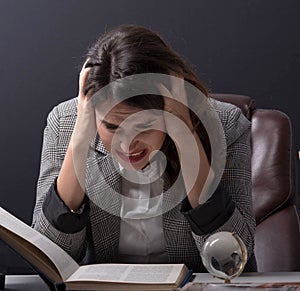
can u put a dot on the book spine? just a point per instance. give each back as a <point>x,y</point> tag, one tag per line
<point>2,281</point>
<point>187,278</point>
<point>60,286</point>
<point>53,286</point>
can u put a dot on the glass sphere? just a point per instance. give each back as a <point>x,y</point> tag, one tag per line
<point>224,255</point>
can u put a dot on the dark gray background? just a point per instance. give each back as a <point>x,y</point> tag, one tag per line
<point>246,47</point>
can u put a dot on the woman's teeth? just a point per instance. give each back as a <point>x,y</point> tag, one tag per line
<point>134,154</point>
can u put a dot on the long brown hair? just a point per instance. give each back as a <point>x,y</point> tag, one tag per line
<point>129,50</point>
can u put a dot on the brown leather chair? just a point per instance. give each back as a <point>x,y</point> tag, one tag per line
<point>277,238</point>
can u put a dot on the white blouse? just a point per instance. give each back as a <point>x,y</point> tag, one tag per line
<point>141,234</point>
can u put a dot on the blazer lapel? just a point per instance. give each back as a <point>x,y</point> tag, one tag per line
<point>104,189</point>
<point>103,178</point>
<point>180,244</point>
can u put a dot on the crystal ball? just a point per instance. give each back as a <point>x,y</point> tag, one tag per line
<point>224,255</point>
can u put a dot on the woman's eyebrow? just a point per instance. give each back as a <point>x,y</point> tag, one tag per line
<point>115,126</point>
<point>108,124</point>
<point>146,122</point>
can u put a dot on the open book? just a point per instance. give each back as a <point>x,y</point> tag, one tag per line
<point>58,268</point>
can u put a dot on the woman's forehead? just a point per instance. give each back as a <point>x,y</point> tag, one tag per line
<point>122,111</point>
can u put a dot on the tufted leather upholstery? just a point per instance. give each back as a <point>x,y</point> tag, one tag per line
<point>277,238</point>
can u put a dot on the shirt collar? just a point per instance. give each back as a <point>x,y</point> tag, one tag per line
<point>153,171</point>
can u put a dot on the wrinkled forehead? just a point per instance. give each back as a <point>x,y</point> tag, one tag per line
<point>117,113</point>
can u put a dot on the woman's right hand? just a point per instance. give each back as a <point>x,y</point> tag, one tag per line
<point>85,127</point>
<point>71,179</point>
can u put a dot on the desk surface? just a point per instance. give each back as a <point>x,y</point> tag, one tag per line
<point>35,283</point>
<point>259,278</point>
<point>25,283</point>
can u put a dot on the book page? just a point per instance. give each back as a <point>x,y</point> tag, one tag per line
<point>128,273</point>
<point>64,263</point>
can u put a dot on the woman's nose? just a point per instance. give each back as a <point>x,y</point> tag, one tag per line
<point>128,144</point>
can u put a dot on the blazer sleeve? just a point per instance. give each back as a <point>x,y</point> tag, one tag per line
<point>55,143</point>
<point>233,194</point>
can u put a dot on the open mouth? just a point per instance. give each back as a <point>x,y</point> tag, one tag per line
<point>133,157</point>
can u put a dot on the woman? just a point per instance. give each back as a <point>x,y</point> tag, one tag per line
<point>134,193</point>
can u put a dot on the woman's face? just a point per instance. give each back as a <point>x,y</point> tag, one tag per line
<point>131,134</point>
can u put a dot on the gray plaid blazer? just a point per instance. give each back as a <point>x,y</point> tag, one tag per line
<point>182,244</point>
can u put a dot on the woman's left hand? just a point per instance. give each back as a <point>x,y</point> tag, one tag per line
<point>176,103</point>
<point>178,123</point>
